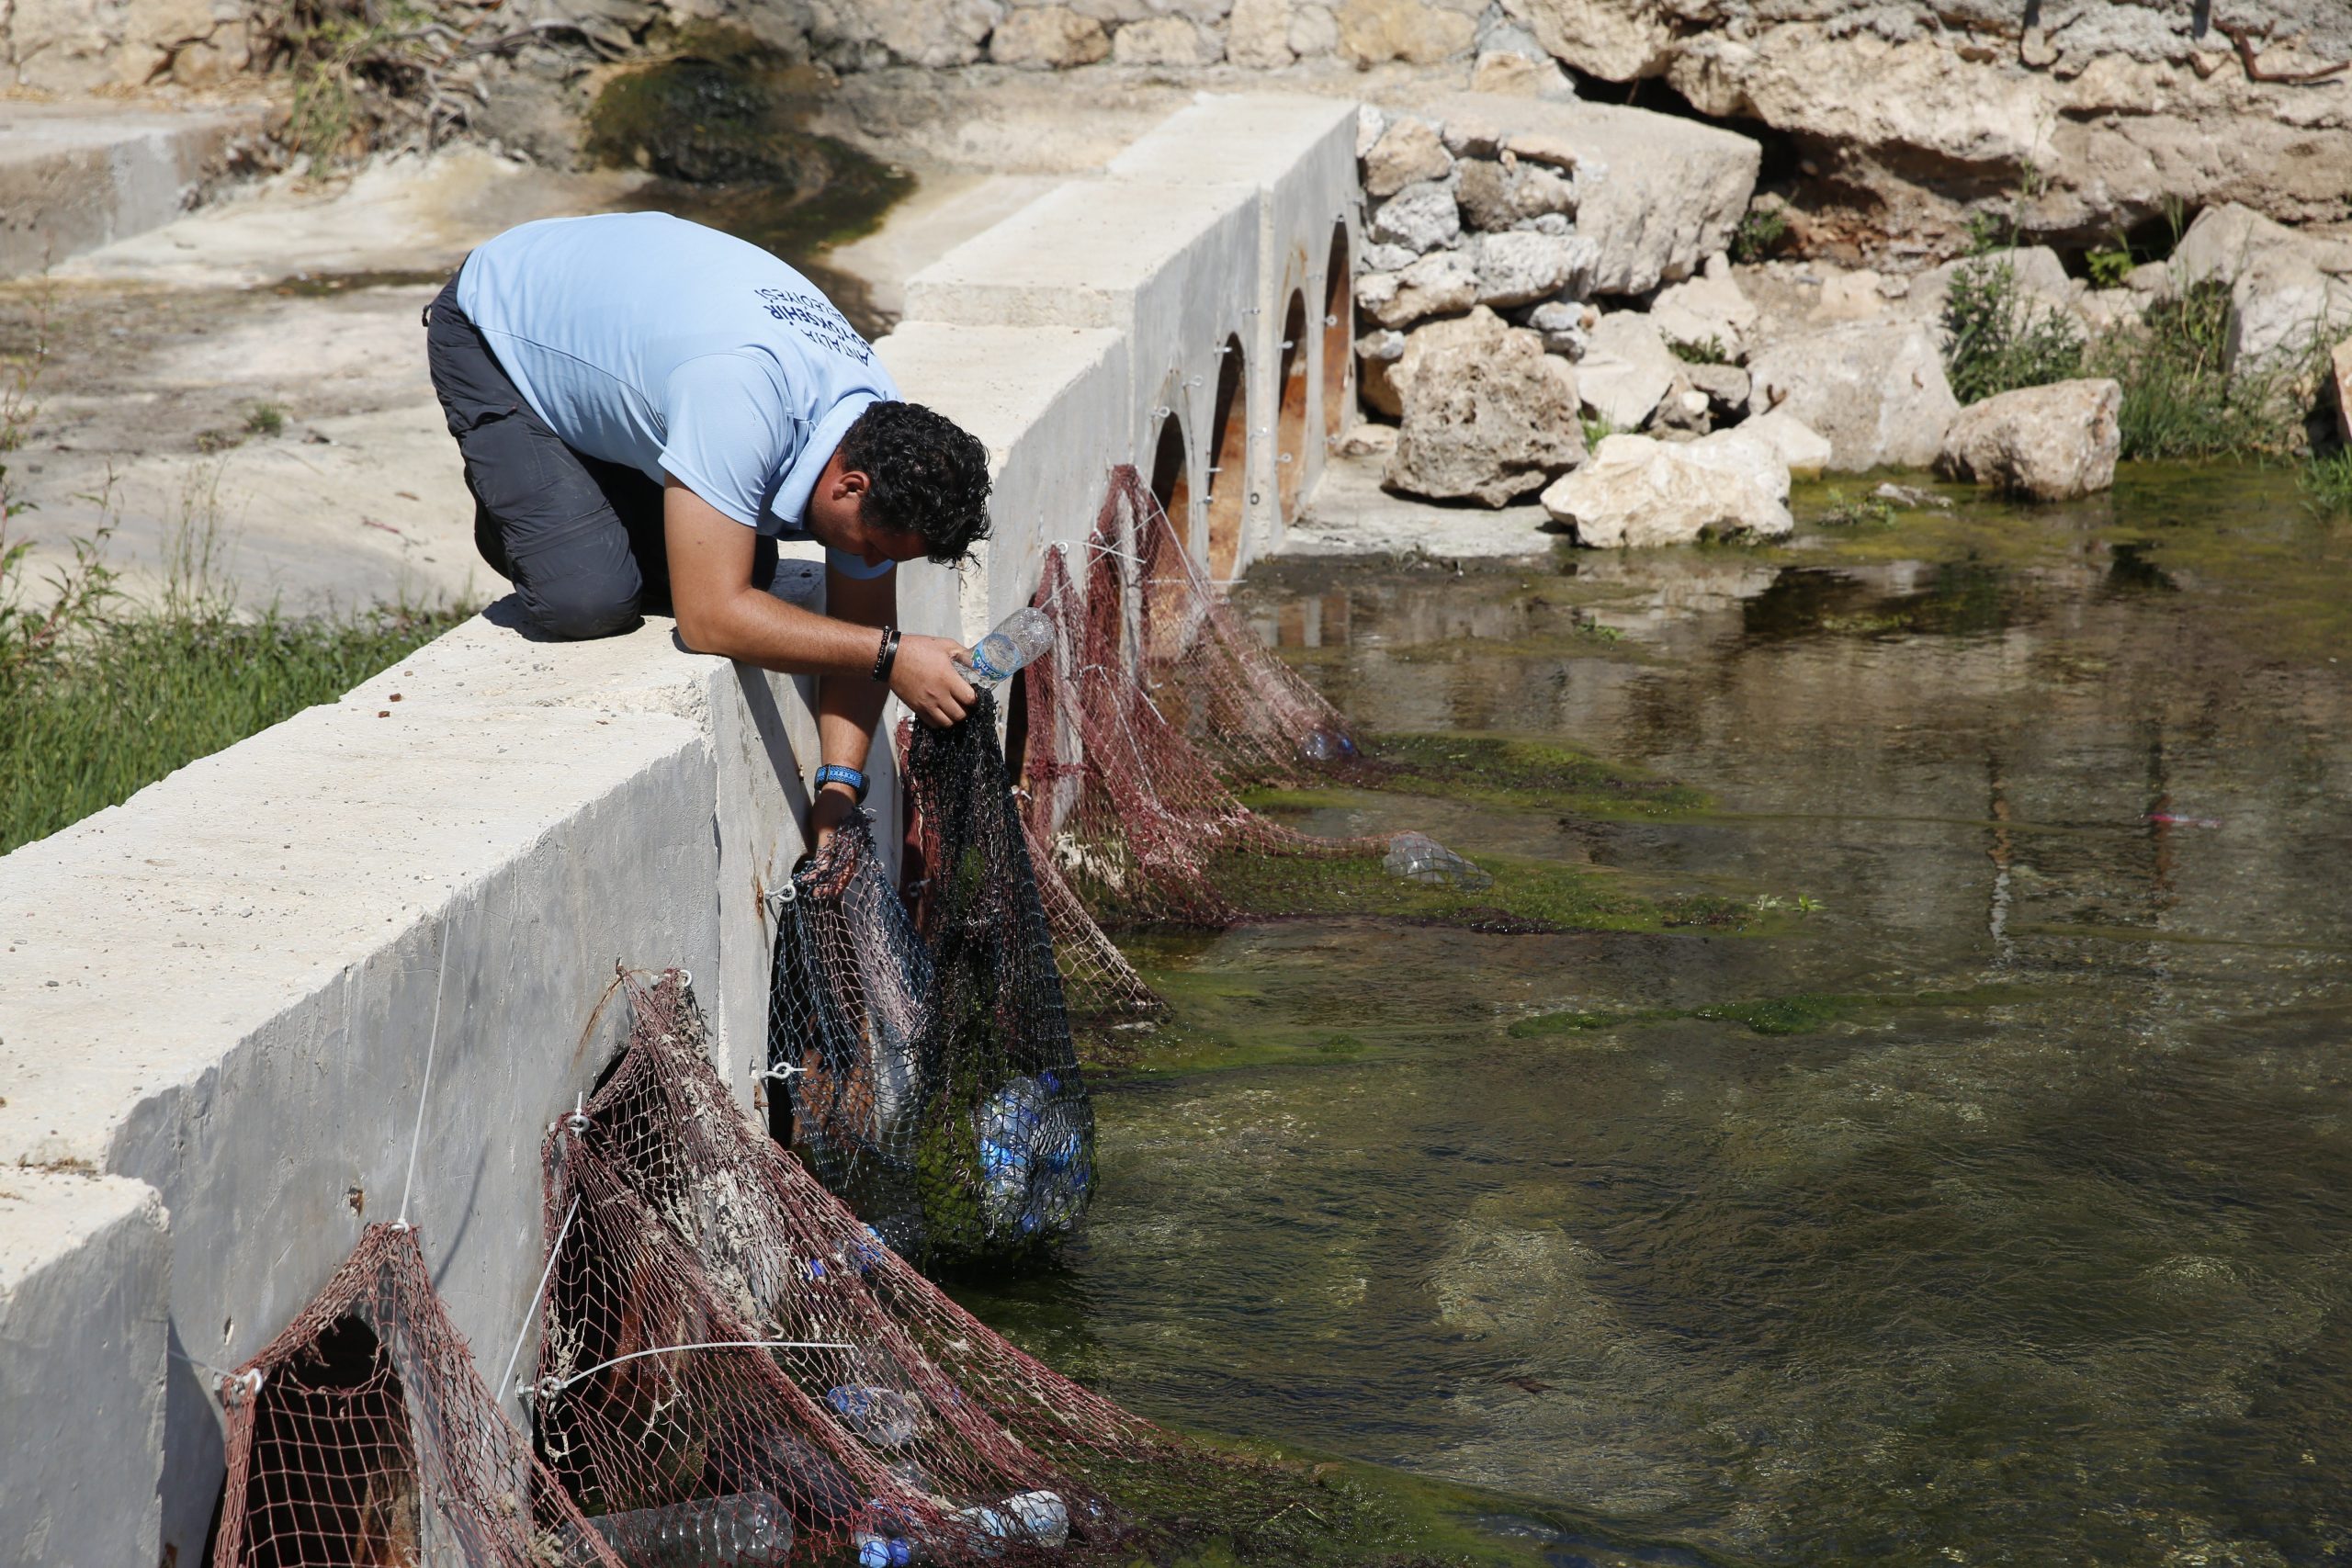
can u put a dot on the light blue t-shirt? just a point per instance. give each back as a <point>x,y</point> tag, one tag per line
<point>646,340</point>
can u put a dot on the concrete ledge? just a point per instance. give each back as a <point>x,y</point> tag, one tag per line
<point>84,1265</point>
<point>75,177</point>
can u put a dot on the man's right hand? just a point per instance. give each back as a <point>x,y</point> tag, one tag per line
<point>927,678</point>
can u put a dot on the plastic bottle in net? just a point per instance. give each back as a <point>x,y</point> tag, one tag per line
<point>363,1435</point>
<point>845,1024</point>
<point>717,1325</point>
<point>1006,1160</point>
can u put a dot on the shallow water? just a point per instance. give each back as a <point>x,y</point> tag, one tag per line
<point>2035,1248</point>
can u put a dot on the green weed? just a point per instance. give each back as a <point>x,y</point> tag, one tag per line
<point>1999,338</point>
<point>2328,483</point>
<point>1864,511</point>
<point>266,418</point>
<point>2182,397</point>
<point>1759,234</point>
<point>2109,269</point>
<point>1708,350</point>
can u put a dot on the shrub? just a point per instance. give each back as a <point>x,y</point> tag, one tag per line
<point>2181,396</point>
<point>1759,234</point>
<point>1998,338</point>
<point>2109,269</point>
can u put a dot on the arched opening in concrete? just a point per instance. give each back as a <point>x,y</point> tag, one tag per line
<point>330,1471</point>
<point>1228,476</point>
<point>1339,334</point>
<point>1171,476</point>
<point>1290,419</point>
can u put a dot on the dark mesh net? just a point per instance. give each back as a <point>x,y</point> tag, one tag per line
<point>719,1325</point>
<point>363,1435</point>
<point>1006,1164</point>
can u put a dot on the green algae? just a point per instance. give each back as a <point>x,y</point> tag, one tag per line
<point>1805,1013</point>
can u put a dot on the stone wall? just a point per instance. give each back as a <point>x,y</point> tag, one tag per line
<point>218,1001</point>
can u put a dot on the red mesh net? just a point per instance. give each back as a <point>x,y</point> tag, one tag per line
<point>718,1325</point>
<point>363,1435</point>
<point>1155,705</point>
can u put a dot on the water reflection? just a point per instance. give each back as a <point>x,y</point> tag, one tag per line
<point>2051,1273</point>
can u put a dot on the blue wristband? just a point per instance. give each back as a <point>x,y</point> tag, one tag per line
<point>833,772</point>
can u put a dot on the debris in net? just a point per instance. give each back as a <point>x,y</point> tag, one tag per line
<point>1006,1163</point>
<point>1417,857</point>
<point>362,1434</point>
<point>716,1324</point>
<point>846,1014</point>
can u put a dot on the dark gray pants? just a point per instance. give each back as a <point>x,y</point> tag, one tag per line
<point>581,538</point>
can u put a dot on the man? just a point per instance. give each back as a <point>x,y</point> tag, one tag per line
<point>645,406</point>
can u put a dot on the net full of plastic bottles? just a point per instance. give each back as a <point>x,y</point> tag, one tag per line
<point>1017,639</point>
<point>882,1417</point>
<point>1417,857</point>
<point>750,1529</point>
<point>1039,1519</point>
<point>1033,1166</point>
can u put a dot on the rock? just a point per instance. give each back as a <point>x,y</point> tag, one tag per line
<point>1166,40</point>
<point>1373,32</point>
<point>1626,369</point>
<point>1551,223</point>
<point>1442,283</point>
<point>1048,38</point>
<point>2105,309</point>
<point>1673,193</point>
<point>1469,136</point>
<point>1371,123</point>
<point>1515,75</point>
<point>934,33</point>
<point>1408,152</point>
<point>1483,195</point>
<point>1876,389</point>
<point>1258,35</point>
<point>1387,258</point>
<point>2051,442</point>
<point>1537,192</point>
<point>1551,147</point>
<point>1376,356</point>
<point>1850,297</point>
<point>1366,441</point>
<point>1566,325</point>
<point>2282,299</point>
<point>1711,308</point>
<point>1488,414</point>
<point>1634,492</point>
<point>1725,386</point>
<point>1518,269</point>
<point>1314,32</point>
<point>1801,451</point>
<point>1420,218</point>
<point>1617,40</point>
<point>1683,412</point>
<point>2340,368</point>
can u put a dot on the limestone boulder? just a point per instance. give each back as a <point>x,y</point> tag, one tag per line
<point>1420,218</point>
<point>2052,442</point>
<point>1875,390</point>
<point>1258,35</point>
<point>1617,40</point>
<point>1418,32</point>
<point>1493,198</point>
<point>1726,386</point>
<point>1510,73</point>
<point>1048,38</point>
<point>1520,268</point>
<point>1376,357</point>
<point>1167,40</point>
<point>1803,451</point>
<point>934,33</point>
<point>1637,492</point>
<point>1626,369</point>
<point>2284,298</point>
<point>1707,309</point>
<point>1665,195</point>
<point>1487,415</point>
<point>1442,283</point>
<point>1408,152</point>
<point>1567,326</point>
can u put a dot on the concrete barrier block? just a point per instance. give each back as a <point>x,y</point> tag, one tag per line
<point>1297,150</point>
<point>85,1279</point>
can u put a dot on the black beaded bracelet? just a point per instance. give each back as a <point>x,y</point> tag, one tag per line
<point>887,654</point>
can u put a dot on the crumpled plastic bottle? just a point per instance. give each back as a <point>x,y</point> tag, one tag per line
<point>1417,857</point>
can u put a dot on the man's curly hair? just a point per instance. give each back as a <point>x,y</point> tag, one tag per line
<point>925,475</point>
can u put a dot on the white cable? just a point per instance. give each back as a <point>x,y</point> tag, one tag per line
<point>531,1311</point>
<point>549,1387</point>
<point>425,1091</point>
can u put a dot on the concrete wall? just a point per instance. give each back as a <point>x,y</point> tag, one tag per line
<point>218,1001</point>
<point>77,175</point>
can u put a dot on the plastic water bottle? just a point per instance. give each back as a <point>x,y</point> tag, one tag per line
<point>1043,1515</point>
<point>882,1416</point>
<point>1018,638</point>
<point>1417,857</point>
<point>1327,746</point>
<point>1007,1124</point>
<point>882,1550</point>
<point>751,1529</point>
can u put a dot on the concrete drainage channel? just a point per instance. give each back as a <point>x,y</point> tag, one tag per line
<point>214,998</point>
